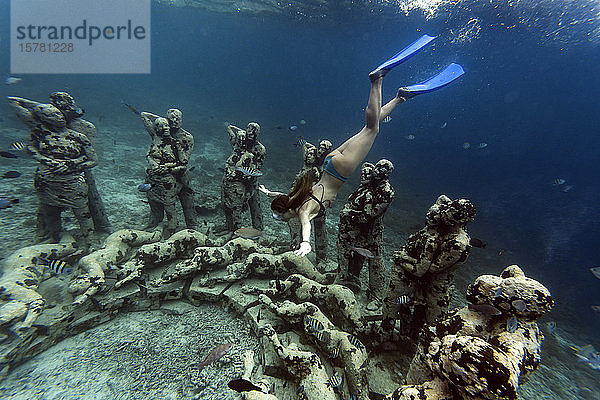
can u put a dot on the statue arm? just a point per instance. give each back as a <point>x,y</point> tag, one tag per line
<point>22,108</point>
<point>148,120</point>
<point>233,132</point>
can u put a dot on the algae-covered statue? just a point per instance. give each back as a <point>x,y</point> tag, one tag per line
<point>360,232</point>
<point>168,158</point>
<point>64,156</point>
<point>239,189</point>
<point>421,277</point>
<point>72,115</point>
<point>484,350</point>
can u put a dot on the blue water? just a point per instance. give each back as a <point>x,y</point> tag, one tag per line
<point>530,94</point>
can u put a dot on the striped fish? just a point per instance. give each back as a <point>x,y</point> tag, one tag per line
<point>20,145</point>
<point>81,179</point>
<point>334,353</point>
<point>387,119</point>
<point>314,324</point>
<point>402,300</point>
<point>335,381</point>
<point>249,171</point>
<point>300,142</point>
<point>58,267</point>
<point>355,342</point>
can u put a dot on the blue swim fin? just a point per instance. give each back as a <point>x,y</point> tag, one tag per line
<point>402,56</point>
<point>447,76</point>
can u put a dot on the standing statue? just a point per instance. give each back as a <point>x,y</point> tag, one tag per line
<point>360,233</point>
<point>74,121</point>
<point>64,155</point>
<point>422,274</point>
<point>168,158</point>
<point>239,190</point>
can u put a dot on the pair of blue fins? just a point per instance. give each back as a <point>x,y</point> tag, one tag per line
<point>447,76</point>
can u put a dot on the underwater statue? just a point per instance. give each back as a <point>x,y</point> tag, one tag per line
<point>239,189</point>
<point>168,158</point>
<point>360,231</point>
<point>73,116</point>
<point>64,156</point>
<point>422,273</point>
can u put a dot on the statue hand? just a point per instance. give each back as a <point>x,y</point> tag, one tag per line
<point>303,250</point>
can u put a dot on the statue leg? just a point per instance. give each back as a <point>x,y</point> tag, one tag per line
<point>377,275</point>
<point>171,226</point>
<point>186,198</point>
<point>321,238</point>
<point>86,224</point>
<point>95,204</point>
<point>157,212</point>
<point>233,202</point>
<point>256,211</point>
<point>48,223</point>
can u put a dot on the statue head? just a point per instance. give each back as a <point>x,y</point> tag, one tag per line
<point>383,169</point>
<point>252,132</point>
<point>446,212</point>
<point>50,116</point>
<point>366,172</point>
<point>161,127</point>
<point>324,148</point>
<point>175,118</point>
<point>310,154</point>
<point>66,104</point>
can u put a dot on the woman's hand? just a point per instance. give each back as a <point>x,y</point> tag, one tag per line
<point>263,189</point>
<point>303,250</point>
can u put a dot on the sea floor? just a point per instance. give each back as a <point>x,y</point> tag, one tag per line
<point>152,354</point>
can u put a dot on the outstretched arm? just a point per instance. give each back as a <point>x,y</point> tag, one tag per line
<point>23,109</point>
<point>266,191</point>
<point>305,247</point>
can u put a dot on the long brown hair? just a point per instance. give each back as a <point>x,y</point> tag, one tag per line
<point>296,197</point>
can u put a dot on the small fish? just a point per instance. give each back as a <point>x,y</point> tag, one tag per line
<point>387,119</point>
<point>11,174</point>
<point>11,80</point>
<point>482,145</point>
<point>293,128</point>
<point>362,251</point>
<point>215,354</point>
<point>81,179</point>
<point>477,243</point>
<point>354,341</point>
<point>249,171</point>
<point>144,187</point>
<point>243,385</point>
<point>558,182</point>
<point>314,323</point>
<point>249,233</point>
<point>409,137</point>
<point>279,127</point>
<point>6,203</point>
<point>445,124</point>
<point>20,145</point>
<point>501,251</point>
<point>595,271</point>
<point>191,169</point>
<point>567,188</point>
<point>512,324</point>
<point>485,309</point>
<point>402,300</point>
<point>466,145</point>
<point>132,108</point>
<point>551,325</point>
<point>58,267</point>
<point>302,122</point>
<point>596,309</point>
<point>519,305</point>
<point>300,142</point>
<point>335,381</point>
<point>6,154</point>
<point>334,353</point>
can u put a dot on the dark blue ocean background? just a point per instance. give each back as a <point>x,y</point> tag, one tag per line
<point>531,96</point>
